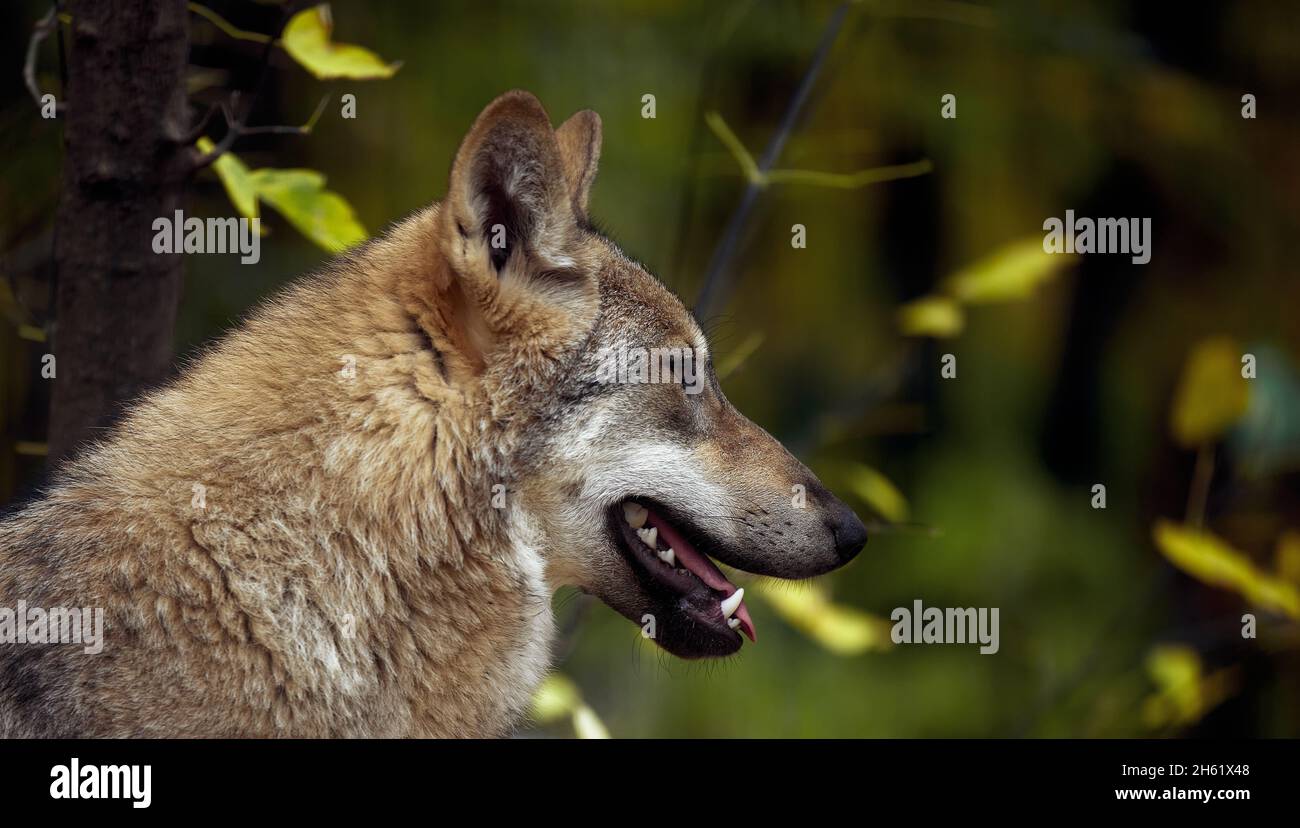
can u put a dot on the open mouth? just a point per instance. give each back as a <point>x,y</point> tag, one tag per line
<point>678,574</point>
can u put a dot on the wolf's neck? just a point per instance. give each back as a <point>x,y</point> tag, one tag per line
<point>334,395</point>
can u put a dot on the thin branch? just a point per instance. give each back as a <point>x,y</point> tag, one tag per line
<point>715,276</point>
<point>202,126</point>
<point>304,129</point>
<point>239,34</point>
<point>233,128</point>
<point>225,25</point>
<point>236,129</point>
<point>736,147</point>
<point>951,11</point>
<point>44,27</point>
<point>236,125</point>
<point>846,181</point>
<point>709,76</point>
<point>853,180</point>
<point>1199,492</point>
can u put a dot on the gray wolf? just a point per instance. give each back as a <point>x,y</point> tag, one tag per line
<point>348,517</point>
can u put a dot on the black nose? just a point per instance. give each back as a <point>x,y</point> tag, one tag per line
<point>849,533</point>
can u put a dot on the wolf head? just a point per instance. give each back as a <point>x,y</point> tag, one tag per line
<point>631,472</point>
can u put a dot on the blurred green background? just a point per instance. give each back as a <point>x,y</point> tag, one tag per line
<point>1107,108</point>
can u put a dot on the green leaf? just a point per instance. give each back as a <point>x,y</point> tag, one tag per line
<point>306,38</point>
<point>321,215</point>
<point>877,492</point>
<point>841,629</point>
<point>1212,394</point>
<point>937,316</point>
<point>1011,272</point>
<point>236,178</point>
<point>1212,561</point>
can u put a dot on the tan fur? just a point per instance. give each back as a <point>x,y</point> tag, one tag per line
<point>345,573</point>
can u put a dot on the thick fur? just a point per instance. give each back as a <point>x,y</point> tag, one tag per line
<point>348,517</point>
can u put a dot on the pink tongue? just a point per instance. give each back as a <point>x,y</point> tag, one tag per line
<point>703,568</point>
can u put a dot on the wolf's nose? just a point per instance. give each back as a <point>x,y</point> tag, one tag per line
<point>849,533</point>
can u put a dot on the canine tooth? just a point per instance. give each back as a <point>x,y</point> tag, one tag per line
<point>668,556</point>
<point>733,622</point>
<point>648,536</point>
<point>732,601</point>
<point>635,514</point>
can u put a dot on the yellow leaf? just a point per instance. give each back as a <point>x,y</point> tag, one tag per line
<point>558,697</point>
<point>307,39</point>
<point>1210,560</point>
<point>1176,672</point>
<point>587,725</point>
<point>936,316</point>
<point>842,630</point>
<point>236,178</point>
<point>1211,395</point>
<point>877,492</point>
<point>1183,694</point>
<point>555,698</point>
<point>321,215</point>
<point>1011,272</point>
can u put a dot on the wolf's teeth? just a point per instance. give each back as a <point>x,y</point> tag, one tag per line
<point>648,536</point>
<point>635,514</point>
<point>668,556</point>
<point>732,601</point>
<point>733,622</point>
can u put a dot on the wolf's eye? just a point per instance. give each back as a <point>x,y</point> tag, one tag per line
<point>673,365</point>
<point>684,370</point>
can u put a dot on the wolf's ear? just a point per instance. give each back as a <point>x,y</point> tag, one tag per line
<point>509,194</point>
<point>521,273</point>
<point>579,139</point>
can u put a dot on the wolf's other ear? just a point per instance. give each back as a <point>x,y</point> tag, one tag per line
<point>509,192</point>
<point>579,139</point>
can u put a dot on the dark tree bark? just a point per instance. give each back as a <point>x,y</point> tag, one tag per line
<point>126,164</point>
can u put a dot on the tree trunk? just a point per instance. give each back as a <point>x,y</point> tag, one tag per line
<point>125,165</point>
